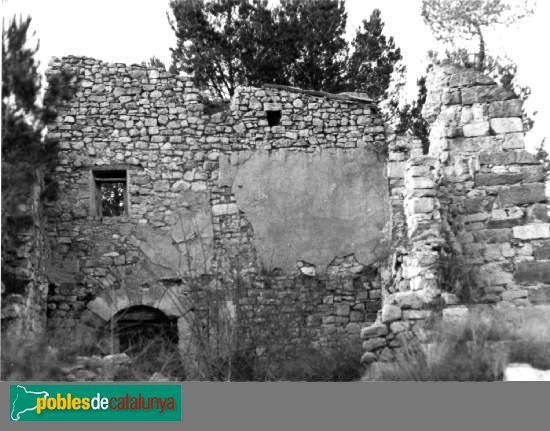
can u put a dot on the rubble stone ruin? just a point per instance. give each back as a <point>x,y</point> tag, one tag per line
<point>287,208</point>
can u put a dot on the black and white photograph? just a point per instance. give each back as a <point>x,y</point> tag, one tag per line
<point>275,191</point>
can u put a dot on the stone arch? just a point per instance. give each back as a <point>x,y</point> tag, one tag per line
<point>165,299</point>
<point>137,325</point>
<point>107,305</point>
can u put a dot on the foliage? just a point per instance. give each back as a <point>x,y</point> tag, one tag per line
<point>373,59</point>
<point>467,19</point>
<point>411,119</point>
<point>542,155</point>
<point>318,41</point>
<point>474,350</point>
<point>27,155</point>
<point>156,63</point>
<point>217,41</point>
<point>226,43</point>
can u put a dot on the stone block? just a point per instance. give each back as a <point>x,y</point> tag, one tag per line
<point>396,169</point>
<point>492,235</point>
<point>522,194</point>
<point>533,272</point>
<point>390,313</point>
<point>539,295</point>
<point>542,251</point>
<point>421,205</point>
<point>417,314</point>
<point>506,125</point>
<point>479,128</point>
<point>420,183</point>
<point>373,344</point>
<point>490,179</point>
<point>408,300</point>
<point>342,309</point>
<point>224,209</point>
<point>475,144</point>
<point>513,141</point>
<point>399,326</point>
<point>374,331</point>
<point>493,274</point>
<point>505,108</point>
<point>368,358</point>
<point>506,158</point>
<point>532,231</point>
<point>466,78</point>
<point>485,93</point>
<point>510,295</point>
<point>101,308</point>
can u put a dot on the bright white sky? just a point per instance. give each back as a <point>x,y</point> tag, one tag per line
<point>131,31</point>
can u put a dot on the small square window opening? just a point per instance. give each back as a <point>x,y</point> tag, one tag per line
<point>273,118</point>
<point>110,193</point>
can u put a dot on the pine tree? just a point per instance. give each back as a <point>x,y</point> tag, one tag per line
<point>373,59</point>
<point>451,20</point>
<point>318,30</point>
<point>219,42</point>
<point>28,157</point>
<point>226,43</point>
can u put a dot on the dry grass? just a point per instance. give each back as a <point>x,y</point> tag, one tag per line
<point>476,350</point>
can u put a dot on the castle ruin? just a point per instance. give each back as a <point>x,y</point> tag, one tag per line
<point>286,205</point>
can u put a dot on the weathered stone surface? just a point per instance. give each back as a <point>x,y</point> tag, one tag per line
<point>390,313</point>
<point>373,344</point>
<point>486,93</point>
<point>479,128</point>
<point>493,235</point>
<point>542,251</point>
<point>508,158</point>
<point>368,358</point>
<point>492,274</point>
<point>511,294</point>
<point>408,300</point>
<point>533,272</point>
<point>507,108</point>
<point>532,231</point>
<point>374,331</point>
<point>483,179</point>
<point>506,125</point>
<point>539,295</point>
<point>474,144</point>
<point>523,194</point>
<point>513,141</point>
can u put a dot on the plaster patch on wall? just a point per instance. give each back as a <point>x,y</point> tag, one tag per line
<point>311,206</point>
<point>186,249</point>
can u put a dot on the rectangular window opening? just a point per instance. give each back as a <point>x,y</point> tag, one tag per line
<point>273,118</point>
<point>111,190</point>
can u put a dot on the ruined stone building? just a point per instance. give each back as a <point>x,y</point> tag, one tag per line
<point>287,205</point>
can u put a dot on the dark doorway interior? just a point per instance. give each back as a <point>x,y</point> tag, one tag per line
<point>139,327</point>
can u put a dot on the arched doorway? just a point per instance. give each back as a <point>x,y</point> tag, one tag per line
<point>139,326</point>
<point>149,337</point>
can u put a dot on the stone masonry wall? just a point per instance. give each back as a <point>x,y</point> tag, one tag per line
<point>190,194</point>
<point>24,284</point>
<point>473,228</point>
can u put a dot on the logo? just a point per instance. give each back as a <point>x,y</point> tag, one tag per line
<point>95,402</point>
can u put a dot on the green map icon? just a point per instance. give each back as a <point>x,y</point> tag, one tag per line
<point>24,401</point>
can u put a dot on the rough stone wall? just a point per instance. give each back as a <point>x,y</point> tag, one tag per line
<point>470,220</point>
<point>24,283</point>
<point>195,212</point>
